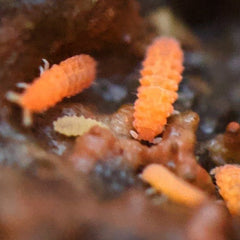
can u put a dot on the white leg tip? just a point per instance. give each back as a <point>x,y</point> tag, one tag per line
<point>27,118</point>
<point>22,85</point>
<point>175,112</point>
<point>46,64</point>
<point>157,140</point>
<point>41,70</point>
<point>12,96</point>
<point>133,134</point>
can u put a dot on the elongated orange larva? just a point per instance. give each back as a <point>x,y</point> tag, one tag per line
<point>159,81</point>
<point>175,188</point>
<point>68,78</point>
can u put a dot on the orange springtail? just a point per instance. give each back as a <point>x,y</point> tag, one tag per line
<point>68,78</point>
<point>228,182</point>
<point>160,77</point>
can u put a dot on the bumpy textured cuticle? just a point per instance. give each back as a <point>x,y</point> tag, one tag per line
<point>64,80</point>
<point>159,81</point>
<point>228,182</point>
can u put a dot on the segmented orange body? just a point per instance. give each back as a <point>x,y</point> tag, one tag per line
<point>228,182</point>
<point>64,80</point>
<point>160,77</point>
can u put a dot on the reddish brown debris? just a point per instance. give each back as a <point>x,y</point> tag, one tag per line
<point>101,144</point>
<point>225,147</point>
<point>31,208</point>
<point>175,151</point>
<point>211,221</point>
<point>97,144</point>
<point>233,127</point>
<point>232,138</point>
<point>177,146</point>
<point>120,122</point>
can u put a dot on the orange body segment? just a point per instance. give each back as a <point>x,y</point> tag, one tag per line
<point>228,182</point>
<point>64,80</point>
<point>161,75</point>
